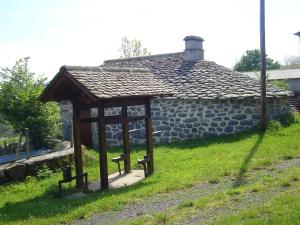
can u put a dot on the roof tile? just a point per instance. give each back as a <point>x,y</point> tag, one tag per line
<point>198,79</point>
<point>116,82</point>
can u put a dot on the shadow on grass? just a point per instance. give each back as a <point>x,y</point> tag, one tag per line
<point>240,179</point>
<point>209,140</point>
<point>47,207</point>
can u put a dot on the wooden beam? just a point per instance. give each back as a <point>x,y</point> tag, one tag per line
<point>102,148</point>
<point>113,119</point>
<point>115,102</point>
<point>149,140</point>
<point>89,120</point>
<point>77,147</point>
<point>126,147</point>
<point>89,106</point>
<point>47,94</point>
<point>123,101</point>
<point>81,87</point>
<point>120,119</point>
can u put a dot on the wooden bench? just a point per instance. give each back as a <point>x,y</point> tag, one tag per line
<point>85,189</point>
<point>145,163</point>
<point>117,160</point>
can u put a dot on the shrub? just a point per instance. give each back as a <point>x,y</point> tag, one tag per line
<point>87,156</point>
<point>20,106</point>
<point>289,119</point>
<point>44,172</point>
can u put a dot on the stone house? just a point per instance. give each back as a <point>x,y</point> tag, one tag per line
<point>208,98</point>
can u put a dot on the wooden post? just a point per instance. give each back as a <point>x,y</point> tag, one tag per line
<point>263,117</point>
<point>28,155</point>
<point>77,147</point>
<point>5,148</point>
<point>126,148</point>
<point>149,140</point>
<point>71,134</point>
<point>102,148</point>
<point>19,146</point>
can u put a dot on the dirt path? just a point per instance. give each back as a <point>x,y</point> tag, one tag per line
<point>168,201</point>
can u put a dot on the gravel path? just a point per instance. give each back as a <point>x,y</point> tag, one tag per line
<point>168,201</point>
<point>207,216</point>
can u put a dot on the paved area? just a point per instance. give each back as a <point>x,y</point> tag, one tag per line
<point>117,181</point>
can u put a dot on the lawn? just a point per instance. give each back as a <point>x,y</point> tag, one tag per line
<point>178,165</point>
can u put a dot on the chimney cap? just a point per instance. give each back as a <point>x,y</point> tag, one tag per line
<point>193,37</point>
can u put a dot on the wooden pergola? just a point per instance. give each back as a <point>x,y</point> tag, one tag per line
<point>87,88</point>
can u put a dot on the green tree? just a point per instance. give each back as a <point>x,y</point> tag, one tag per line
<point>280,83</point>
<point>132,48</point>
<point>291,62</point>
<point>251,62</point>
<point>20,106</point>
<point>5,128</point>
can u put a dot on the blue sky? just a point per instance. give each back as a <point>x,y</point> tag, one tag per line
<point>86,32</point>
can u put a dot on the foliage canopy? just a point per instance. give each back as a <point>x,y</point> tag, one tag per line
<point>251,62</point>
<point>21,107</point>
<point>132,48</point>
<point>292,62</point>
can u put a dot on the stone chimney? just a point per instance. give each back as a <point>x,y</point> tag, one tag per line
<point>193,48</point>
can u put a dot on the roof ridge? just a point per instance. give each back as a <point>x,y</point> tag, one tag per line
<point>123,69</point>
<point>103,69</point>
<point>79,68</point>
<point>142,57</point>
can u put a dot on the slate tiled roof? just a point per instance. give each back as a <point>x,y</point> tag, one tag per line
<point>283,74</point>
<point>115,82</point>
<point>199,79</point>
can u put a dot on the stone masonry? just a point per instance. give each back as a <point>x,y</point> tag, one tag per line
<point>180,119</point>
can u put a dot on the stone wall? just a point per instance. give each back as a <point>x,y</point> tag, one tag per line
<point>27,167</point>
<point>186,119</point>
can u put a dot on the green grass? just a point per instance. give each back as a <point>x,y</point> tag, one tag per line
<point>280,210</point>
<point>177,165</point>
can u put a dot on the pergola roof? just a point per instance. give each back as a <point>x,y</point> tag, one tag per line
<point>101,87</point>
<point>106,83</point>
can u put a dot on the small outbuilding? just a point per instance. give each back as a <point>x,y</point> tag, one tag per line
<point>102,88</point>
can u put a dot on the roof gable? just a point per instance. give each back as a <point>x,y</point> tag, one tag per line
<point>105,83</point>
